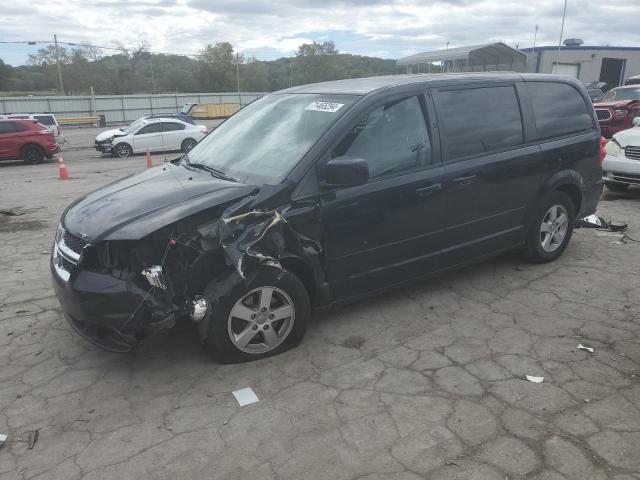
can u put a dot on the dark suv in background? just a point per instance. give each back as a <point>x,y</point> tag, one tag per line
<point>326,193</point>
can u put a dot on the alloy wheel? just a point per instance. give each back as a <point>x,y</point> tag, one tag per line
<point>554,227</point>
<point>261,320</point>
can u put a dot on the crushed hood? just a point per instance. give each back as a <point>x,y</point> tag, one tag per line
<point>101,137</point>
<point>629,137</point>
<point>138,205</point>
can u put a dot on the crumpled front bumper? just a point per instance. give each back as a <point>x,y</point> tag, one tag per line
<point>100,307</point>
<point>104,147</point>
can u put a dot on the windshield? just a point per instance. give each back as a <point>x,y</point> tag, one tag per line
<point>622,94</point>
<point>133,127</point>
<point>266,139</point>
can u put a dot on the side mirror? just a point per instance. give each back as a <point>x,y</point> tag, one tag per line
<point>346,172</point>
<point>636,122</point>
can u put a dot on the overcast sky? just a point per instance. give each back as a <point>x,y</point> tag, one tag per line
<point>271,29</point>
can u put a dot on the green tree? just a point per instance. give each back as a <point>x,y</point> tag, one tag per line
<point>317,62</point>
<point>216,70</point>
<point>6,75</point>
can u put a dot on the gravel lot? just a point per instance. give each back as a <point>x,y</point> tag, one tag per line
<point>423,383</point>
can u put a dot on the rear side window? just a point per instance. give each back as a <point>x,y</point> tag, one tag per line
<point>480,120</point>
<point>172,126</point>
<point>7,127</point>
<point>559,109</point>
<point>153,128</point>
<point>45,120</point>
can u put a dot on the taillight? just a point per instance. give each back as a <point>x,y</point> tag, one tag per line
<point>603,153</point>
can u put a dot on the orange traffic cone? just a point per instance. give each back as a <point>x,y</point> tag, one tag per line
<point>149,160</point>
<point>64,174</point>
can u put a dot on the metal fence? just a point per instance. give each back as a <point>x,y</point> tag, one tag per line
<point>118,108</point>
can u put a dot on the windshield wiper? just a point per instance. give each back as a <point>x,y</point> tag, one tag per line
<point>213,171</point>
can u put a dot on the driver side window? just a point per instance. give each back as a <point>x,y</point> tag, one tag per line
<point>391,138</point>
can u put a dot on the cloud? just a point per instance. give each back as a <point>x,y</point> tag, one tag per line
<point>389,28</point>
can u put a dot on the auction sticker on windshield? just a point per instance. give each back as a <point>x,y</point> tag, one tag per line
<point>324,107</point>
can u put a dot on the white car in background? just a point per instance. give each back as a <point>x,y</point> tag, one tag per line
<point>156,134</point>
<point>621,166</point>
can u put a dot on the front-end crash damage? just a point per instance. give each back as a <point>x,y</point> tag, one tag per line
<point>183,270</point>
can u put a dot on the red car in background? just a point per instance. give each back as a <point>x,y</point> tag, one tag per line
<point>27,140</point>
<point>617,108</point>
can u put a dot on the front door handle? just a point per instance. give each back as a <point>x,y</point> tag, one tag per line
<point>467,180</point>
<point>430,190</point>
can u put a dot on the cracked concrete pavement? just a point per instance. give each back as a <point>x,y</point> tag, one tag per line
<point>427,382</point>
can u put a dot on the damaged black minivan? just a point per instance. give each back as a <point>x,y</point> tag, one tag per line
<point>325,193</point>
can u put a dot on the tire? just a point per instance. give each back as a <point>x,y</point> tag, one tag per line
<point>245,300</point>
<point>616,186</point>
<point>122,150</point>
<point>187,145</point>
<point>32,154</point>
<point>556,233</point>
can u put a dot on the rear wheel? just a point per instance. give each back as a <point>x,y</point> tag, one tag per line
<point>122,150</point>
<point>616,186</point>
<point>256,320</point>
<point>32,154</point>
<point>551,228</point>
<point>188,144</point>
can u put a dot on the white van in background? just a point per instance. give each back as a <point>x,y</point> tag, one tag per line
<point>47,119</point>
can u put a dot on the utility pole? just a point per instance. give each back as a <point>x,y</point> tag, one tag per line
<point>153,77</point>
<point>533,50</point>
<point>55,41</point>
<point>564,14</point>
<point>238,77</point>
<point>291,72</point>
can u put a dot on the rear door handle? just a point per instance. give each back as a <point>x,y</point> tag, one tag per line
<point>429,190</point>
<point>468,180</point>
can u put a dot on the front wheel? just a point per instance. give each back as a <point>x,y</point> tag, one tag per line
<point>550,229</point>
<point>188,144</point>
<point>256,320</point>
<point>616,186</point>
<point>122,150</point>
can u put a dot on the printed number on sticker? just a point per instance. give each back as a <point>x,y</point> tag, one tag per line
<point>324,107</point>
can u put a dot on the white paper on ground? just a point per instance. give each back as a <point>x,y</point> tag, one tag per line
<point>535,379</point>
<point>3,438</point>
<point>245,396</point>
<point>582,347</point>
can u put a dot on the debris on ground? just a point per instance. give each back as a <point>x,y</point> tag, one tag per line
<point>588,349</point>
<point>32,438</point>
<point>12,212</point>
<point>245,396</point>
<point>3,439</point>
<point>593,221</point>
<point>533,379</point>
